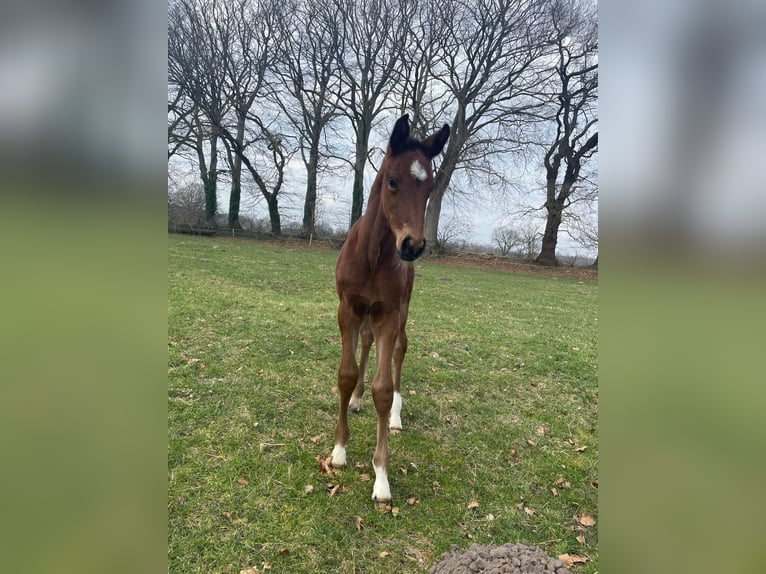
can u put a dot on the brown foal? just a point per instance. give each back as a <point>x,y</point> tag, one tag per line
<point>374,277</point>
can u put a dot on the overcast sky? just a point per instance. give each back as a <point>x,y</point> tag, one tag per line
<point>480,208</point>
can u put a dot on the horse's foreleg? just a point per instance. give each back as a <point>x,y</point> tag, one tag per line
<point>386,329</point>
<point>348,373</point>
<point>367,338</point>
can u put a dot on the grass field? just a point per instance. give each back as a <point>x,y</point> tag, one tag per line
<point>500,416</point>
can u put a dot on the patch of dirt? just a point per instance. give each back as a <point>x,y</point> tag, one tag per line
<point>488,261</point>
<point>491,559</point>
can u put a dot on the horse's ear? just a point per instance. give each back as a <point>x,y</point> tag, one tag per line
<point>401,134</point>
<point>435,143</point>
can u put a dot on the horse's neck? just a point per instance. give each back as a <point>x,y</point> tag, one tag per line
<point>378,240</point>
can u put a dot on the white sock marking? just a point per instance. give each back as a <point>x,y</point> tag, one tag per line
<point>380,490</point>
<point>418,171</point>
<point>395,420</point>
<point>338,455</point>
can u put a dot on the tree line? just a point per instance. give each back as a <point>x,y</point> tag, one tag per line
<point>253,84</point>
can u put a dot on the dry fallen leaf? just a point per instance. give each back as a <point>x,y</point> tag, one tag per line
<point>324,465</point>
<point>542,429</point>
<point>554,491</point>
<point>315,439</point>
<point>364,477</point>
<point>412,501</point>
<point>532,443</point>
<point>403,470</point>
<point>413,393</point>
<point>570,560</point>
<point>249,570</point>
<point>594,484</point>
<point>580,449</point>
<point>243,481</point>
<point>529,511</point>
<point>473,504</point>
<point>395,511</point>
<point>333,489</point>
<point>580,538</point>
<point>383,554</point>
<point>226,515</point>
<point>358,522</point>
<point>284,551</point>
<point>586,520</point>
<point>308,489</point>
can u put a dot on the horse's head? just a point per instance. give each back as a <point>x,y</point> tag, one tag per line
<point>407,180</point>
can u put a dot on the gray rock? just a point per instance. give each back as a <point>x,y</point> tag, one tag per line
<point>491,559</point>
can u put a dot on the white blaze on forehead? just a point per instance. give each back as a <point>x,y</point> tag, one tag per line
<point>418,171</point>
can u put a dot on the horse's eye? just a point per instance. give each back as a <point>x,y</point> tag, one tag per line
<point>391,183</point>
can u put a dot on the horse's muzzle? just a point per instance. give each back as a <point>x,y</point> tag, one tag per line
<point>409,252</point>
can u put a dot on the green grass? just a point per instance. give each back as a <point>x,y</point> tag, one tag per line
<point>253,348</point>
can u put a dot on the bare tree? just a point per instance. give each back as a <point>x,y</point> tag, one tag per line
<point>583,228</point>
<point>453,232</point>
<point>181,114</point>
<point>487,67</point>
<point>507,239</point>
<point>576,138</point>
<point>223,52</point>
<point>195,70</point>
<point>372,38</point>
<point>309,72</point>
<point>186,205</point>
<point>530,237</point>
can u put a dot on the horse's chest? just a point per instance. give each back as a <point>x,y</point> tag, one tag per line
<point>380,293</point>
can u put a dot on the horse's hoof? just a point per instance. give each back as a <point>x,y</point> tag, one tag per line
<point>338,456</point>
<point>355,405</point>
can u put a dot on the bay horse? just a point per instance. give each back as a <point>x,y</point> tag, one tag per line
<point>374,277</point>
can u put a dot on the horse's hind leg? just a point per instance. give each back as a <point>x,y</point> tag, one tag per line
<point>348,373</point>
<point>367,339</point>
<point>400,348</point>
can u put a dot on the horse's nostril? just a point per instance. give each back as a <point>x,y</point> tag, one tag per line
<point>408,252</point>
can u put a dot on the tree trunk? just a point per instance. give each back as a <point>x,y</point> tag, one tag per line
<point>211,200</point>
<point>433,212</point>
<point>442,179</point>
<point>273,202</point>
<point>550,237</point>
<point>360,161</point>
<point>209,176</point>
<point>309,206</point>
<point>234,205</point>
<point>236,177</point>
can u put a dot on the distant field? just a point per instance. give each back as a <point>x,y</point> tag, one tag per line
<point>500,416</point>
